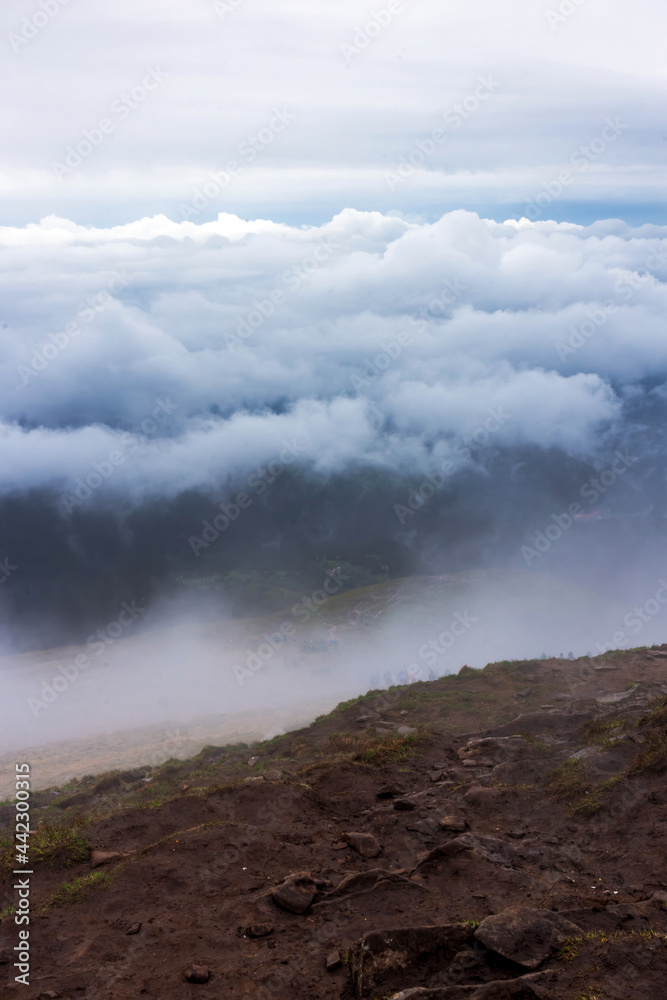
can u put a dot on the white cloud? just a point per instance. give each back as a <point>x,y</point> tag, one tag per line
<point>385,338</point>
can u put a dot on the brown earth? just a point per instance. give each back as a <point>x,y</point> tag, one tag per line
<point>482,802</point>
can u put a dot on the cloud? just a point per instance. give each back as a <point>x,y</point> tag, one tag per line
<point>356,117</point>
<point>198,351</point>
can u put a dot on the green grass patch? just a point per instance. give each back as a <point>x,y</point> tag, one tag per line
<point>51,845</point>
<point>77,890</point>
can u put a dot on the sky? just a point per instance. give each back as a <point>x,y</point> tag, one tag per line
<point>318,105</point>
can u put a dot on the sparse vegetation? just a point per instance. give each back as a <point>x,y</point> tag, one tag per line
<point>567,780</point>
<point>653,753</point>
<point>77,890</point>
<point>602,732</point>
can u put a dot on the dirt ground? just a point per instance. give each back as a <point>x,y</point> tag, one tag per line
<point>511,822</point>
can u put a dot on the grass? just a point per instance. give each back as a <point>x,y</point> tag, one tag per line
<point>377,750</point>
<point>77,890</point>
<point>538,745</point>
<point>653,753</point>
<point>8,911</point>
<point>602,732</point>
<point>567,780</point>
<point>570,949</point>
<point>52,845</point>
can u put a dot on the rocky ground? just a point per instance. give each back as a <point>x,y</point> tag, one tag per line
<point>496,834</point>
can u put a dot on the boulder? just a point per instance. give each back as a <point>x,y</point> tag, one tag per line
<point>388,960</point>
<point>453,824</point>
<point>364,844</point>
<point>296,893</point>
<point>197,974</point>
<point>525,935</point>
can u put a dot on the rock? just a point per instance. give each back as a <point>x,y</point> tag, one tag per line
<point>133,929</point>
<point>363,718</point>
<point>525,988</point>
<point>426,827</point>
<point>477,795</point>
<point>334,961</point>
<point>660,898</point>
<point>454,824</point>
<point>388,791</point>
<point>613,699</point>
<point>404,805</point>
<point>253,779</point>
<point>364,844</point>
<point>524,935</point>
<point>48,995</point>
<point>383,961</point>
<point>252,761</point>
<point>259,930</point>
<point>403,712</point>
<point>405,730</point>
<point>98,858</point>
<point>273,775</point>
<point>435,775</point>
<point>296,893</point>
<point>197,974</point>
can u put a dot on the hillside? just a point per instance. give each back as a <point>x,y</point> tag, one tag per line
<point>492,834</point>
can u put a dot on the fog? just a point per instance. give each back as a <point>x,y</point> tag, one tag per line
<point>181,684</point>
<point>201,423</point>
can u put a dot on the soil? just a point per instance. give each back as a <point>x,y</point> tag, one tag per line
<point>480,798</point>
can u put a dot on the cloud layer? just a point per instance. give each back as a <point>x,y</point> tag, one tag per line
<point>198,352</point>
<point>363,93</point>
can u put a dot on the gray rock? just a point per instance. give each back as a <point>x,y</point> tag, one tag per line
<point>296,893</point>
<point>524,935</point>
<point>364,844</point>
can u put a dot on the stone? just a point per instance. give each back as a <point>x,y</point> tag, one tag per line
<point>525,935</point>
<point>296,893</point>
<point>197,974</point>
<point>404,805</point>
<point>252,780</point>
<point>259,930</point>
<point>364,844</point>
<point>273,775</point>
<point>435,775</point>
<point>133,929</point>
<point>425,827</point>
<point>477,795</point>
<point>388,791</point>
<point>334,961</point>
<point>98,858</point>
<point>252,761</point>
<point>388,960</point>
<point>48,995</point>
<point>453,824</point>
<point>405,730</point>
